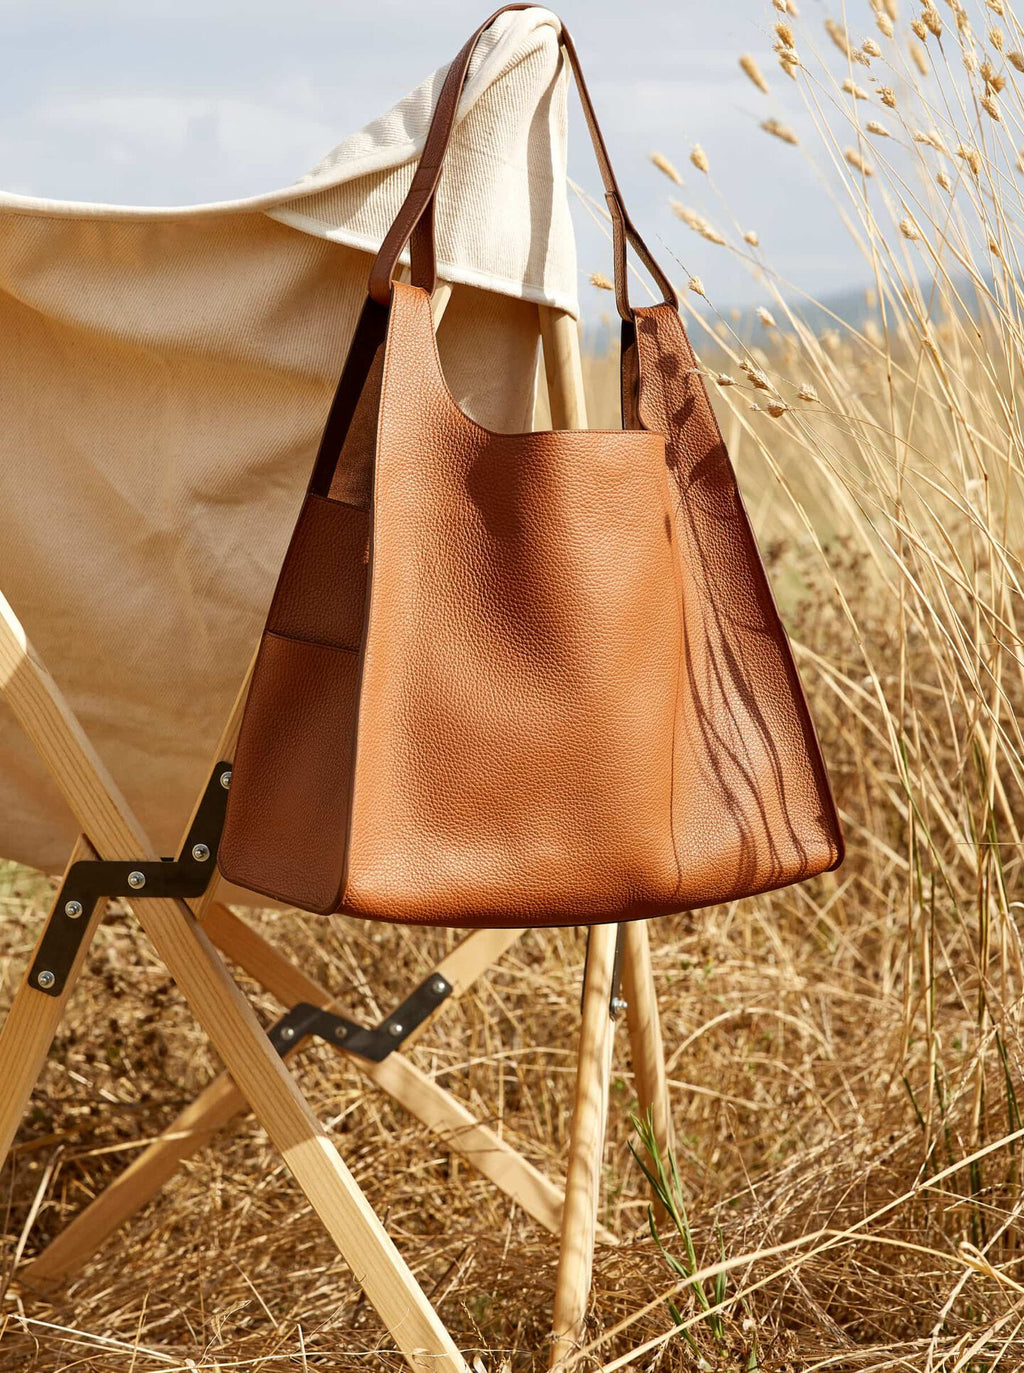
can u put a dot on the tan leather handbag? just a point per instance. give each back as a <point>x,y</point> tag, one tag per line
<point>521,679</point>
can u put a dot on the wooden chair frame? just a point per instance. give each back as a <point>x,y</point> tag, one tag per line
<point>187,934</point>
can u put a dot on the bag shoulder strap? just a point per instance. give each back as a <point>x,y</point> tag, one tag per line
<point>414,223</point>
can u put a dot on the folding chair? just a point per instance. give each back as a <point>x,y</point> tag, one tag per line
<point>181,904</point>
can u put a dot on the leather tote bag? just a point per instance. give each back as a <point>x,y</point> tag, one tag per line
<point>521,679</point>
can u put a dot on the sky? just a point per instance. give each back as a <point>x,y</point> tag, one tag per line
<point>183,101</point>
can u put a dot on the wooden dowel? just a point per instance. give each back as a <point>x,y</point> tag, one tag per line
<point>563,368</point>
<point>586,1148</point>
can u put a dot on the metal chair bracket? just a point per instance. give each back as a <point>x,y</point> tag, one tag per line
<point>92,879</point>
<point>373,1044</point>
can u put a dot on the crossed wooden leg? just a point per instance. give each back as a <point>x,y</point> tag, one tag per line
<point>221,1101</point>
<point>222,1011</point>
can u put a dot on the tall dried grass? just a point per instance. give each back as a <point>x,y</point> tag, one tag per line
<point>845,1057</point>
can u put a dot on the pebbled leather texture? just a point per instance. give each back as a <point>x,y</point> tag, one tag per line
<point>522,679</point>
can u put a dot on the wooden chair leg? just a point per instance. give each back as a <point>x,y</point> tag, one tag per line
<point>30,1026</point>
<point>221,1101</point>
<point>304,1145</point>
<point>224,1014</point>
<point>645,1043</point>
<point>586,1148</point>
<point>563,368</point>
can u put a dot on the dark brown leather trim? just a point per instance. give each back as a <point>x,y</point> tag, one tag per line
<point>367,341</point>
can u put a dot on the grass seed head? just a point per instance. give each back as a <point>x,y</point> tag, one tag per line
<point>602,282</point>
<point>756,377</point>
<point>699,158</point>
<point>858,92</point>
<point>887,96</point>
<point>990,107</point>
<point>807,392</point>
<point>931,139</point>
<point>1016,59</point>
<point>879,130</point>
<point>870,48</point>
<point>885,25</point>
<point>785,35</point>
<point>919,58</point>
<point>839,36</point>
<point>724,379</point>
<point>696,286</point>
<point>932,20</point>
<point>666,168</point>
<point>971,156</point>
<point>766,317</point>
<point>752,237</point>
<point>748,65</point>
<point>856,161</point>
<point>696,222</point>
<point>779,130</point>
<point>943,179</point>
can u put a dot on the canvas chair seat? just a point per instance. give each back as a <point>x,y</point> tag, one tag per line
<point>167,373</point>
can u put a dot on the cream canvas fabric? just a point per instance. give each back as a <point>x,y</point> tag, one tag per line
<point>165,376</point>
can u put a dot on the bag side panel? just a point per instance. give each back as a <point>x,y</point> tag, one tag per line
<point>287,820</point>
<point>752,804</point>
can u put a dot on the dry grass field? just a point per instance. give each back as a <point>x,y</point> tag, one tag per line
<point>846,1057</point>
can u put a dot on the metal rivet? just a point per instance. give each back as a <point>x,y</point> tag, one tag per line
<point>619,1005</point>
<point>395,1029</point>
<point>225,778</point>
<point>439,986</point>
<point>73,909</point>
<point>200,852</point>
<point>46,979</point>
<point>136,880</point>
<point>287,1032</point>
<point>340,1031</point>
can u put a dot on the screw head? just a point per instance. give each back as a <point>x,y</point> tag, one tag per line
<point>136,880</point>
<point>395,1029</point>
<point>225,778</point>
<point>72,909</point>
<point>618,1005</point>
<point>46,979</point>
<point>341,1032</point>
<point>287,1032</point>
<point>439,986</point>
<point>200,852</point>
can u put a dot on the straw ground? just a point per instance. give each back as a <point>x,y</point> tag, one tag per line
<point>845,1057</point>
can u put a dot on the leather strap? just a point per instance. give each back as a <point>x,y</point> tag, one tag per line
<point>414,223</point>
